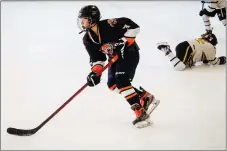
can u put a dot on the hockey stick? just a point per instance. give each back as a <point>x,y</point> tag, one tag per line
<point>28,132</point>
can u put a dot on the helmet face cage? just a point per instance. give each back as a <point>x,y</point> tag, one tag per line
<point>80,25</point>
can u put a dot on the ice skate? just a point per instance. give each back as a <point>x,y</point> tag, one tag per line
<point>142,118</point>
<point>148,101</point>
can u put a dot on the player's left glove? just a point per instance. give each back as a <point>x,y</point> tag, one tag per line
<point>115,48</point>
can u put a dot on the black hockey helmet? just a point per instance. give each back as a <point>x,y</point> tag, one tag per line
<point>91,12</point>
<point>211,38</point>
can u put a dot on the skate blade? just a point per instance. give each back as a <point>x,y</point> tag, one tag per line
<point>144,124</point>
<point>162,43</point>
<point>152,106</point>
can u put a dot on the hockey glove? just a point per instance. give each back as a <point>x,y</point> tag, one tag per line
<point>205,12</point>
<point>115,48</point>
<point>163,46</point>
<point>222,60</point>
<point>93,79</point>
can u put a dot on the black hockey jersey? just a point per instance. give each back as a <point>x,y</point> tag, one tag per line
<point>110,30</point>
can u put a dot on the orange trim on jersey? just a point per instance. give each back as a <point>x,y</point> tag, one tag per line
<point>113,87</point>
<point>130,96</point>
<point>96,68</point>
<point>125,88</point>
<point>130,41</point>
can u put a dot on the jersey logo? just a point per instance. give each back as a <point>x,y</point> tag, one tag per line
<point>126,26</point>
<point>112,22</point>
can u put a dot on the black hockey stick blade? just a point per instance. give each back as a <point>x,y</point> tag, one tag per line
<point>21,132</point>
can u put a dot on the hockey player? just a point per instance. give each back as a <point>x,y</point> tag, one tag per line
<point>213,7</point>
<point>192,51</point>
<point>109,37</point>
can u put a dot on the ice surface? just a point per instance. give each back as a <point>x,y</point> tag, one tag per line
<point>44,62</point>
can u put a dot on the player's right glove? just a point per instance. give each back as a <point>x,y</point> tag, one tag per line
<point>163,46</point>
<point>93,79</point>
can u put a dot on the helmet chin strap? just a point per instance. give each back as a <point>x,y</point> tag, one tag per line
<point>87,29</point>
<point>92,25</point>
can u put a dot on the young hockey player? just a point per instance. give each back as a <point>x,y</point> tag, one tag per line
<point>192,51</point>
<point>210,9</point>
<point>111,37</point>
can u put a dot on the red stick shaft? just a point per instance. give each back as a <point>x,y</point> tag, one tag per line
<point>114,59</point>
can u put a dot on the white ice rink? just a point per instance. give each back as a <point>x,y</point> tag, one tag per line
<point>44,62</point>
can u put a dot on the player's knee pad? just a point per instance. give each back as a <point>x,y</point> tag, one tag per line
<point>221,14</point>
